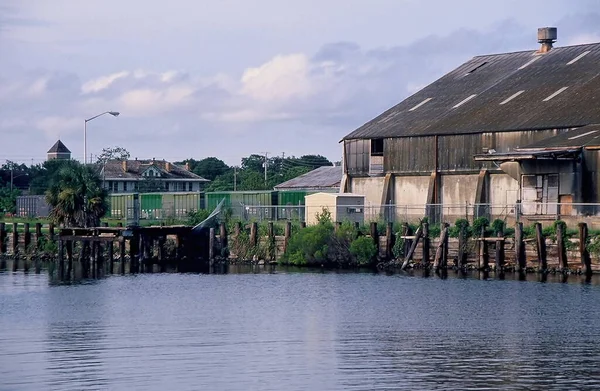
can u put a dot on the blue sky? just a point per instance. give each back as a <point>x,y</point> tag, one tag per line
<point>228,78</point>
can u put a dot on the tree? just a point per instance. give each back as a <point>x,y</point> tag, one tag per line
<point>41,174</point>
<point>8,199</point>
<point>114,153</point>
<point>208,168</point>
<point>76,196</point>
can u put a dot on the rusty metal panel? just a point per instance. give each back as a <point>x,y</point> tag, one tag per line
<point>456,152</point>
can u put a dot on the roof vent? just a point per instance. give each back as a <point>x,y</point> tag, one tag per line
<point>547,36</point>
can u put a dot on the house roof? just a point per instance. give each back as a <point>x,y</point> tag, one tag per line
<point>501,92</point>
<point>59,147</point>
<point>113,169</point>
<point>586,136</point>
<point>548,154</point>
<point>325,177</point>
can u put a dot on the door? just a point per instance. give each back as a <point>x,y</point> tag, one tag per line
<point>539,194</point>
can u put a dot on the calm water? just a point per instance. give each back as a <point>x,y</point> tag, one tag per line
<point>297,331</point>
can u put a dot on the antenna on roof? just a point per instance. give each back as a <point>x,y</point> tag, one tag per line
<point>547,36</point>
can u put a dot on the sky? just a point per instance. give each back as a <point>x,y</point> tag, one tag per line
<point>229,78</point>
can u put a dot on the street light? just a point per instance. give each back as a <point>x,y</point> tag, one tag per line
<point>113,113</point>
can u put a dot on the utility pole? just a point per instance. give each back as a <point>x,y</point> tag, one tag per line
<point>266,154</point>
<point>235,178</point>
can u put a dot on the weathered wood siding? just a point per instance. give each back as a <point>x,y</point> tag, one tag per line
<point>409,155</point>
<point>357,154</point>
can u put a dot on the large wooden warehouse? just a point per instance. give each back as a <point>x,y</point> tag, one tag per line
<point>504,129</point>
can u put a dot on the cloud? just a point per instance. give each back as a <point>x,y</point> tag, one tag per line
<point>102,83</point>
<point>55,127</point>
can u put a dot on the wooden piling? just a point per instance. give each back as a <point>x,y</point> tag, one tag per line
<point>211,246</point>
<point>15,239</point>
<point>38,235</point>
<point>254,234</point>
<point>51,231</point>
<point>134,252</point>
<point>389,240</point>
<point>61,259</point>
<point>271,240</point>
<point>520,258</point>
<point>586,261</point>
<point>69,249</point>
<point>375,235</point>
<point>161,253</point>
<point>413,248</point>
<point>540,242</point>
<point>444,264</point>
<point>93,258</point>
<point>484,257</point>
<point>223,235</point>
<point>2,238</point>
<point>426,244</point>
<point>439,254</point>
<point>26,237</point>
<point>562,248</point>
<point>111,257</point>
<point>500,251</point>
<point>122,255</point>
<point>462,247</point>
<point>287,235</point>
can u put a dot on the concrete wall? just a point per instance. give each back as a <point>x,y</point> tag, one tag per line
<point>457,190</point>
<point>371,188</point>
<point>411,196</point>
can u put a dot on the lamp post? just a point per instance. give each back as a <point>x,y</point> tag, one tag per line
<point>113,113</point>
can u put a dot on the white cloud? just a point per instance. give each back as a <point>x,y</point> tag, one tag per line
<point>102,83</point>
<point>55,127</point>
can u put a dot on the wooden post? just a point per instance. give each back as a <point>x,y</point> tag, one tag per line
<point>287,235</point>
<point>253,234</point>
<point>462,247</point>
<point>100,259</point>
<point>51,231</point>
<point>439,254</point>
<point>425,260</point>
<point>413,248</point>
<point>375,236</point>
<point>111,257</point>
<point>520,258</point>
<point>61,259</point>
<point>541,248</point>
<point>211,246</point>
<point>69,248</point>
<point>26,237</point>
<point>484,257</point>
<point>271,241</point>
<point>223,235</point>
<point>122,254</point>
<point>2,238</point>
<point>562,248</point>
<point>134,252</point>
<point>445,249</point>
<point>586,261</point>
<point>500,251</point>
<point>38,234</point>
<point>389,240</point>
<point>15,239</point>
<point>161,253</point>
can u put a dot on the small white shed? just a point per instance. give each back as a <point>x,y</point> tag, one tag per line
<point>342,206</point>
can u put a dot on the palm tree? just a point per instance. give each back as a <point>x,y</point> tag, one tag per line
<point>76,196</point>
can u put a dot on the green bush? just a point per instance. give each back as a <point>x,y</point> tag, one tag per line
<point>198,216</point>
<point>398,249</point>
<point>479,223</point>
<point>309,246</point>
<point>498,225</point>
<point>363,250</point>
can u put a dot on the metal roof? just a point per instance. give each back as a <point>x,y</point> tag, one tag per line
<point>113,169</point>
<point>325,177</point>
<point>468,99</point>
<point>586,136</point>
<point>551,154</point>
<point>59,147</point>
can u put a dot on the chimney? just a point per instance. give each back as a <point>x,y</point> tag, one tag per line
<point>168,166</point>
<point>124,165</point>
<point>547,36</point>
<point>187,166</point>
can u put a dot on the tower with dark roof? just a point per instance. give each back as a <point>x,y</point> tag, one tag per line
<point>59,151</point>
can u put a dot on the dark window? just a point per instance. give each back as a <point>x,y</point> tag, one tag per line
<point>190,186</point>
<point>377,147</point>
<point>124,186</point>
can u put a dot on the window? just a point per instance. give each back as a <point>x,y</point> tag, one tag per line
<point>377,147</point>
<point>124,186</point>
<point>190,186</point>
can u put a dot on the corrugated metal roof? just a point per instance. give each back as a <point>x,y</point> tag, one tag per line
<point>493,79</point>
<point>586,136</point>
<point>325,177</point>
